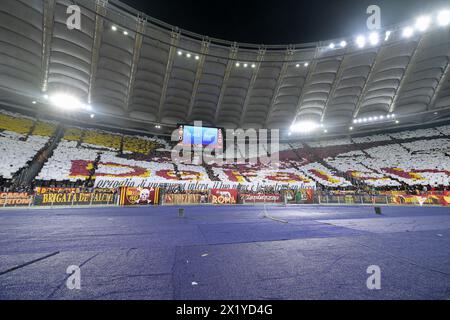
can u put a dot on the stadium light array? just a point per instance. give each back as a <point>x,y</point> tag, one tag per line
<point>304,126</point>
<point>387,35</point>
<point>374,38</point>
<point>361,41</point>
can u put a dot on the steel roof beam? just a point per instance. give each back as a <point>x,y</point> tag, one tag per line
<point>312,67</point>
<point>141,23</point>
<point>445,77</point>
<point>100,10</point>
<point>334,85</point>
<point>375,63</point>
<point>405,75</point>
<point>48,21</point>
<point>287,59</point>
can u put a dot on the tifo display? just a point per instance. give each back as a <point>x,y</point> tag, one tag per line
<point>88,161</point>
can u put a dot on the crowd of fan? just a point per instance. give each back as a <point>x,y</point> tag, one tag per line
<point>409,160</point>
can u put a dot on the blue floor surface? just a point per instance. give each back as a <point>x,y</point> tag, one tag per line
<point>300,252</point>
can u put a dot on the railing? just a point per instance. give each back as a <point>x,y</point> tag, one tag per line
<point>18,200</point>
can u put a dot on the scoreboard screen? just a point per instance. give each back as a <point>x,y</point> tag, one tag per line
<point>200,136</point>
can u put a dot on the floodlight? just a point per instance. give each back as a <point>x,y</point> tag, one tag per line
<point>444,18</point>
<point>180,52</point>
<point>114,28</point>
<point>360,41</point>
<point>422,23</point>
<point>197,57</point>
<point>67,102</point>
<point>304,126</point>
<point>125,33</point>
<point>188,55</point>
<point>306,64</point>
<point>245,65</point>
<point>332,46</point>
<point>253,66</point>
<point>343,44</point>
<point>408,32</point>
<point>237,64</point>
<point>387,35</point>
<point>374,38</point>
<point>33,102</point>
<point>297,65</point>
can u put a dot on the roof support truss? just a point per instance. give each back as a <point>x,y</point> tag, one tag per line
<point>100,10</point>
<point>445,77</point>
<point>259,58</point>
<point>48,21</point>
<point>375,63</point>
<point>405,74</point>
<point>311,69</point>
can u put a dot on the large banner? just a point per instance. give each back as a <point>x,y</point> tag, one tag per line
<point>223,196</point>
<point>73,198</point>
<point>260,198</point>
<point>299,196</point>
<point>114,182</point>
<point>427,199</point>
<point>14,199</point>
<point>138,196</point>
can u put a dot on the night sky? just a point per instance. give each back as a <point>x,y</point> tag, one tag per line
<point>280,21</point>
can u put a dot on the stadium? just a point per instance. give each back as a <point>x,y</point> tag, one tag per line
<point>140,160</point>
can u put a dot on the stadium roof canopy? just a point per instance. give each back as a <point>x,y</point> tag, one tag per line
<point>159,74</point>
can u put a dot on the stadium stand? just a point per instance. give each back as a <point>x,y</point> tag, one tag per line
<point>395,160</point>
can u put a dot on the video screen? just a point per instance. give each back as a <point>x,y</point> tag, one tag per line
<point>200,136</point>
